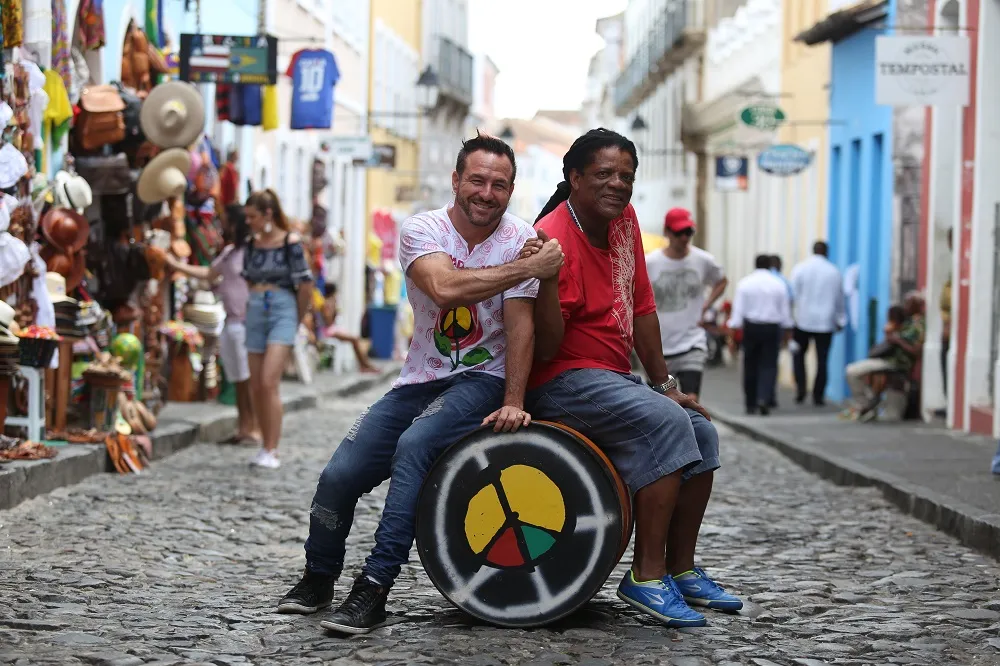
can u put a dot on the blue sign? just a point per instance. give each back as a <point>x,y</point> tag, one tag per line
<point>731,173</point>
<point>784,160</point>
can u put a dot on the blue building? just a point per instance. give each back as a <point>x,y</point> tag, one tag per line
<point>860,194</point>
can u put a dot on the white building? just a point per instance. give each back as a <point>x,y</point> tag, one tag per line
<point>663,46</point>
<point>605,66</point>
<point>446,52</point>
<point>742,68</point>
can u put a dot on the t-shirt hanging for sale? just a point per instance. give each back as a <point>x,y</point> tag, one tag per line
<point>314,73</point>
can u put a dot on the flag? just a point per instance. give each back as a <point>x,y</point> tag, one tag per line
<point>154,23</point>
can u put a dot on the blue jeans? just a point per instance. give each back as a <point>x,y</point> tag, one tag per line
<point>272,319</point>
<point>400,436</point>
<point>647,436</point>
<point>996,460</point>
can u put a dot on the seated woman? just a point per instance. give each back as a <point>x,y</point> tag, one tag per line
<point>330,331</point>
<point>898,353</point>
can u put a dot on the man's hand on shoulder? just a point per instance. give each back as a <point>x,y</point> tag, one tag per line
<point>508,418</point>
<point>686,401</point>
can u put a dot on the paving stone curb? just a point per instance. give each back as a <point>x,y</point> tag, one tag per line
<point>24,480</point>
<point>968,524</point>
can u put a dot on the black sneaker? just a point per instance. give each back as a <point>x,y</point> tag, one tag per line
<point>362,611</point>
<point>314,592</point>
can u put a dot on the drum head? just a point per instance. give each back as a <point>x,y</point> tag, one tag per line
<point>520,529</point>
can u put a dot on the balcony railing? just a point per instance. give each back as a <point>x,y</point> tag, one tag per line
<point>674,35</point>
<point>454,71</point>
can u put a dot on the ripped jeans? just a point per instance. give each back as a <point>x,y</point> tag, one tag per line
<point>399,437</point>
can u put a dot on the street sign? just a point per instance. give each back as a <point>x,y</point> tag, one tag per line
<point>383,156</point>
<point>229,59</point>
<point>922,70</point>
<point>784,160</point>
<point>765,117</point>
<point>358,149</point>
<point>731,173</point>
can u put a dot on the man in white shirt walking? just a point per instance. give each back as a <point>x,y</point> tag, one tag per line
<point>763,309</point>
<point>820,311</point>
<point>680,274</point>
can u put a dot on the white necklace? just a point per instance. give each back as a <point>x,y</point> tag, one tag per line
<point>575,218</point>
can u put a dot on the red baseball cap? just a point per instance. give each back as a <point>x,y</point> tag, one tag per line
<point>678,219</point>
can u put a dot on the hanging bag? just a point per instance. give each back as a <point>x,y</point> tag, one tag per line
<point>101,120</point>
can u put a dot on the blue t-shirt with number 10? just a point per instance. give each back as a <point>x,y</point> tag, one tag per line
<point>314,73</point>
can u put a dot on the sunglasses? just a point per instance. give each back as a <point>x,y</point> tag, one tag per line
<point>683,232</point>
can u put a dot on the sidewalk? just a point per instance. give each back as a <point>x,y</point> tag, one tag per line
<point>935,474</point>
<point>180,425</point>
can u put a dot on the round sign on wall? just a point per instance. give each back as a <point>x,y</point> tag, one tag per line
<point>762,116</point>
<point>784,160</point>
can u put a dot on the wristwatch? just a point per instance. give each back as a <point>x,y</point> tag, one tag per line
<point>667,386</point>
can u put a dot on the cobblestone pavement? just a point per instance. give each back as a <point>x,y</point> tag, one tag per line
<point>184,565</point>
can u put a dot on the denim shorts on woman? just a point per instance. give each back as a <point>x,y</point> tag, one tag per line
<point>646,435</point>
<point>272,319</point>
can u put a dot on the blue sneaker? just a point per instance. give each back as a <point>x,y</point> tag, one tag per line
<point>661,599</point>
<point>700,590</point>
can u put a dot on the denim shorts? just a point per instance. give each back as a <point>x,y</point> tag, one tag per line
<point>647,436</point>
<point>272,319</point>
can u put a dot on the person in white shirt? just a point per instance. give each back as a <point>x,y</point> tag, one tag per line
<point>763,309</point>
<point>820,311</point>
<point>680,275</point>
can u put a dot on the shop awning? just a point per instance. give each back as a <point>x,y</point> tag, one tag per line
<point>844,23</point>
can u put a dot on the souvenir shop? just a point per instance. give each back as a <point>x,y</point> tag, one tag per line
<point>102,184</point>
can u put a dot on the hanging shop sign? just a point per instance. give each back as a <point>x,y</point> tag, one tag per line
<point>383,156</point>
<point>764,117</point>
<point>784,160</point>
<point>229,59</point>
<point>358,149</point>
<point>912,70</point>
<point>731,173</point>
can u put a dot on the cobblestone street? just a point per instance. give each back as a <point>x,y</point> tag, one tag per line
<point>186,563</point>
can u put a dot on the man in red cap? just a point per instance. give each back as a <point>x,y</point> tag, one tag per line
<point>681,274</point>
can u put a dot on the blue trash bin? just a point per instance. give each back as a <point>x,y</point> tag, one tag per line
<point>382,325</point>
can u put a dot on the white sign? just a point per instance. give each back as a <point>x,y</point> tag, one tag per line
<point>354,148</point>
<point>922,71</point>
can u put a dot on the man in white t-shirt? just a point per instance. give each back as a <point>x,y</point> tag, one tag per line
<point>681,274</point>
<point>467,365</point>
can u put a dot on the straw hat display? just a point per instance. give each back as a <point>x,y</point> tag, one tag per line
<point>204,313</point>
<point>10,353</point>
<point>173,116</point>
<point>165,176</point>
<point>55,284</point>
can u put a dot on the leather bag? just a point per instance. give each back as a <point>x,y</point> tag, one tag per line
<point>106,175</point>
<point>101,120</point>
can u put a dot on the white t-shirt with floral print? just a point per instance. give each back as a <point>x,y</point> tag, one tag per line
<point>464,338</point>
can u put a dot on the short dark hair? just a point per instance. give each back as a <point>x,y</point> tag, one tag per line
<point>897,314</point>
<point>581,155</point>
<point>488,144</point>
<point>330,289</point>
<point>820,248</point>
<point>775,262</point>
<point>239,230</point>
<point>763,261</point>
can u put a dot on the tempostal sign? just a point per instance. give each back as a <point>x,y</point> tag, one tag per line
<point>922,71</point>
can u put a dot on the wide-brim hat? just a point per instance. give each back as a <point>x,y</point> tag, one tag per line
<point>165,176</point>
<point>173,116</point>
<point>66,229</point>
<point>72,191</point>
<point>70,267</point>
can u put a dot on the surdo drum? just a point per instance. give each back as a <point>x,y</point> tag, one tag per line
<point>521,529</point>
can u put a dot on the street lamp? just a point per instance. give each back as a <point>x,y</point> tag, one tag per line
<point>428,89</point>
<point>639,124</point>
<point>507,134</point>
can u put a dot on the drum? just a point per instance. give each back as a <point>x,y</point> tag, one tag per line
<point>521,529</point>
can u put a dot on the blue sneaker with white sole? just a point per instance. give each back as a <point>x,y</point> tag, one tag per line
<point>700,590</point>
<point>661,599</point>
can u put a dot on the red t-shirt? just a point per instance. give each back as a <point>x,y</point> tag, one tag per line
<point>229,183</point>
<point>601,292</point>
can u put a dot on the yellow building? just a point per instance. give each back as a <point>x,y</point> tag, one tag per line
<point>805,76</point>
<point>394,67</point>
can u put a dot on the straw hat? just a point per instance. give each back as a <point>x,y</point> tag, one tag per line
<point>72,191</point>
<point>173,115</point>
<point>165,176</point>
<point>66,229</point>
<point>55,284</point>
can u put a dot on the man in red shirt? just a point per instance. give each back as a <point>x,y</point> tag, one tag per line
<point>587,321</point>
<point>229,179</point>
